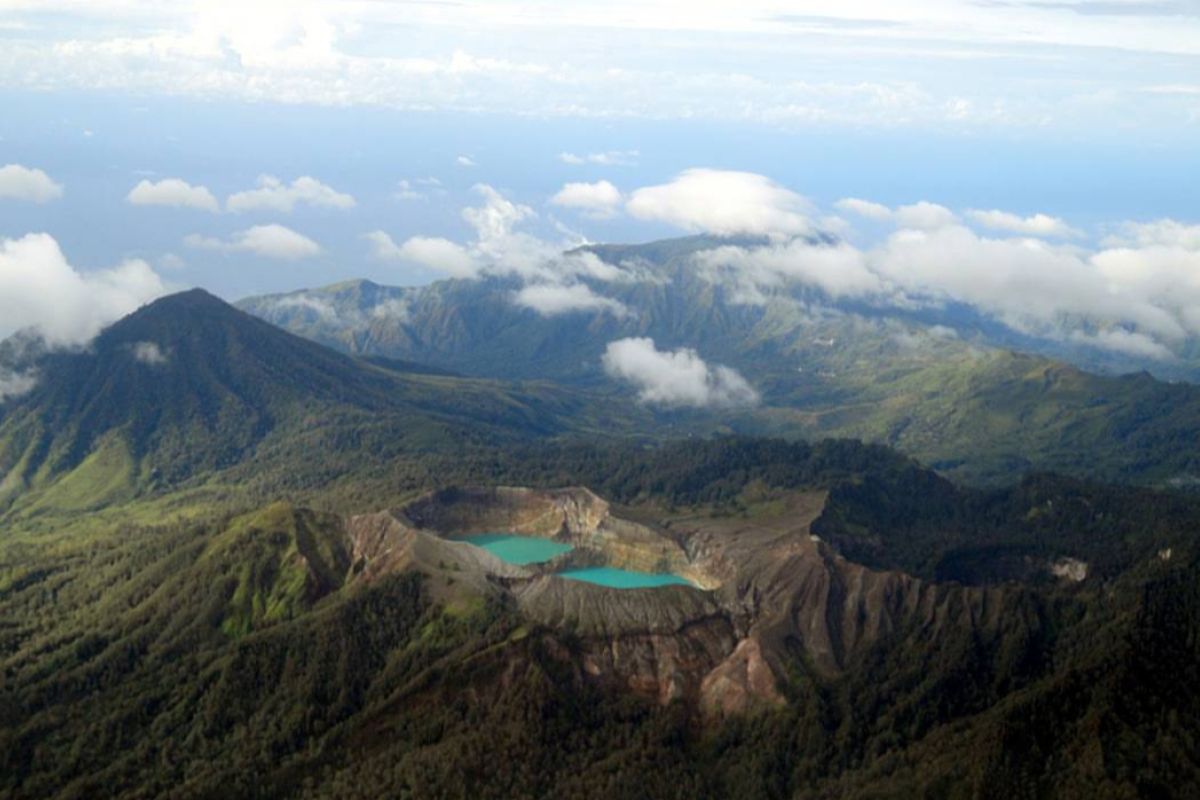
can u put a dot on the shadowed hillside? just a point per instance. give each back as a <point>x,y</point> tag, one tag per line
<point>189,387</point>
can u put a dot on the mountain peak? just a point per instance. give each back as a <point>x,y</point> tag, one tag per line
<point>185,315</point>
<point>354,284</point>
<point>192,299</point>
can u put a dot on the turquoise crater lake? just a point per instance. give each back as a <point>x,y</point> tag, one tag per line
<point>623,578</point>
<point>519,550</point>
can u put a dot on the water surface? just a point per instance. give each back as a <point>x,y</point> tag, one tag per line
<point>623,578</point>
<point>519,550</point>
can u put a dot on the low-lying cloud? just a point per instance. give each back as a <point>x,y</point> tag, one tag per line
<point>551,300</point>
<point>40,290</point>
<point>15,384</point>
<point>150,354</point>
<point>677,378</point>
<point>1136,299</point>
<point>751,272</point>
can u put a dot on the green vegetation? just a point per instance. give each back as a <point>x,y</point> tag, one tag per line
<point>181,613</point>
<point>232,657</point>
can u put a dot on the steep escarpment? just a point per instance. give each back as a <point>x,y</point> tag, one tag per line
<point>767,593</point>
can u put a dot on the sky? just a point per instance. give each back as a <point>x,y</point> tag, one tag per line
<point>255,147</point>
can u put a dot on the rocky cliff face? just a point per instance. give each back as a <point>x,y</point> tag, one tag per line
<point>766,590</point>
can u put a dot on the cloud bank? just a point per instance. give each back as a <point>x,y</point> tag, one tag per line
<point>959,64</point>
<point>677,378</point>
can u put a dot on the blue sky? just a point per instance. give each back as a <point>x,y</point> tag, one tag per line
<point>395,114</point>
<point>99,146</point>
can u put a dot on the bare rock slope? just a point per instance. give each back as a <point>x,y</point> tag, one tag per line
<point>764,589</point>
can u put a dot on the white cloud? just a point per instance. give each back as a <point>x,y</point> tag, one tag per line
<point>395,310</point>
<point>15,384</point>
<point>501,248</point>
<point>383,246</point>
<point>555,271</point>
<point>1026,283</point>
<point>1035,225</point>
<point>864,208</point>
<point>1120,340</point>
<point>678,378</point>
<point>608,158</point>
<point>431,252</point>
<point>317,307</point>
<point>838,269</point>
<point>922,215</point>
<point>1162,232</point>
<point>868,63</point>
<point>465,161</point>
<point>172,192</point>
<point>269,241</point>
<point>922,339</point>
<point>171,261</point>
<point>22,183</point>
<point>274,195</point>
<point>39,289</point>
<point>723,203</point>
<point>150,354</point>
<point>549,299</point>
<point>418,188</point>
<point>1139,295</point>
<point>599,199</point>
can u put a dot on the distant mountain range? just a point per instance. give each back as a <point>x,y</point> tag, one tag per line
<point>948,386</point>
<point>670,296</point>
